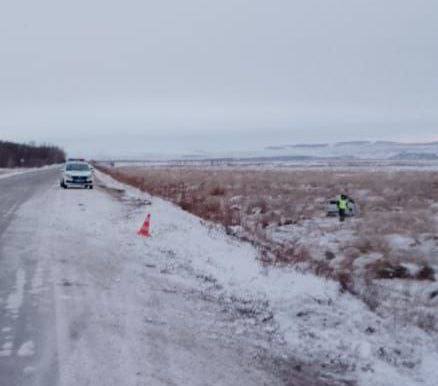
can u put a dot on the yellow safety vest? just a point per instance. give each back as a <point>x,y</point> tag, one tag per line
<point>343,204</point>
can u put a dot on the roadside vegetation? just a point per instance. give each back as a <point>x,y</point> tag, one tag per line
<point>14,155</point>
<point>388,255</point>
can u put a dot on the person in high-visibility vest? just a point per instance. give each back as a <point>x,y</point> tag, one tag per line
<point>342,207</point>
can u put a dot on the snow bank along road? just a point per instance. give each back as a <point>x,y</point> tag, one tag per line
<point>85,301</point>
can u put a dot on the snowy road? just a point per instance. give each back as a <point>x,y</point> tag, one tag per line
<point>84,301</point>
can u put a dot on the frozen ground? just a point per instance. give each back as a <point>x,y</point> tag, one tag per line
<point>86,301</point>
<point>326,329</point>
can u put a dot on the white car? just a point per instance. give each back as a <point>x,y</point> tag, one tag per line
<point>77,174</point>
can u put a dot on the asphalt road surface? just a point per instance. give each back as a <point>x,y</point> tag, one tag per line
<point>22,318</point>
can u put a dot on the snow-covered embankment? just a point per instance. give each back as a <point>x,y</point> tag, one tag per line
<point>325,328</point>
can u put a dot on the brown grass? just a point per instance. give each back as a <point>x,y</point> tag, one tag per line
<point>250,203</point>
<point>393,201</point>
<point>389,202</point>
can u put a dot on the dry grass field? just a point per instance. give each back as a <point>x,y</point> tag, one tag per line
<point>283,213</point>
<point>257,203</point>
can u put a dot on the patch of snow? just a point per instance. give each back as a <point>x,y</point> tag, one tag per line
<point>400,242</point>
<point>15,299</point>
<point>6,173</point>
<point>6,349</point>
<point>317,235</point>
<point>7,346</point>
<point>27,349</point>
<point>411,267</point>
<point>364,260</point>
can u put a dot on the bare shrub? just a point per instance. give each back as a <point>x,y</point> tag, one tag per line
<point>323,268</point>
<point>210,208</point>
<point>385,269</point>
<point>217,191</point>
<point>292,254</point>
<point>346,281</point>
<point>186,205</point>
<point>426,273</point>
<point>256,206</point>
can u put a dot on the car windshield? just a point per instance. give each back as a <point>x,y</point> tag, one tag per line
<point>77,167</point>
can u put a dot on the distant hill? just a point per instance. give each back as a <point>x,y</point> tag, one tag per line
<point>299,145</point>
<point>353,143</point>
<point>311,145</point>
<point>306,152</point>
<point>389,150</point>
<point>415,156</point>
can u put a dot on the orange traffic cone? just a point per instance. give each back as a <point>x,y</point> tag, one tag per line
<point>145,228</point>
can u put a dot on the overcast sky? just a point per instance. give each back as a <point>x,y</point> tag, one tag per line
<point>126,77</point>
